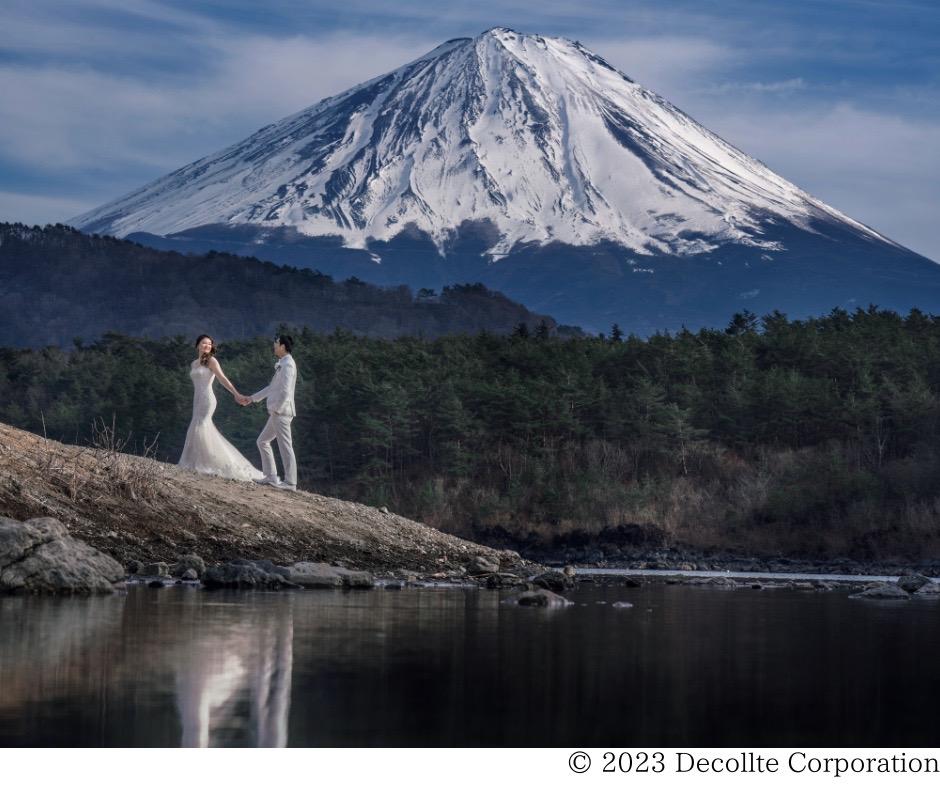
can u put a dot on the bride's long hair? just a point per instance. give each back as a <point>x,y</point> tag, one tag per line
<point>204,357</point>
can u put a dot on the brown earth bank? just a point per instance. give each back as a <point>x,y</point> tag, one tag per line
<point>138,509</point>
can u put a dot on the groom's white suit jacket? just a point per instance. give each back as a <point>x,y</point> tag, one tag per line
<point>280,391</point>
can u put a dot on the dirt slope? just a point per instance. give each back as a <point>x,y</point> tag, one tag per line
<point>137,508</point>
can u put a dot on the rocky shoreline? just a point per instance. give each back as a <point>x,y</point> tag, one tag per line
<point>40,557</point>
<point>688,560</point>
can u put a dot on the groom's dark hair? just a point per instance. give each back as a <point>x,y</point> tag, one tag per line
<point>286,341</point>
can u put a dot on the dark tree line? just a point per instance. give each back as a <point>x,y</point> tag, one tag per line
<point>57,283</point>
<point>815,435</point>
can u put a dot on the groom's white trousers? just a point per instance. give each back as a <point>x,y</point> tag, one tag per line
<point>278,428</point>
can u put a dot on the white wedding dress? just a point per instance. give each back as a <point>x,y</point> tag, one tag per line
<point>205,450</point>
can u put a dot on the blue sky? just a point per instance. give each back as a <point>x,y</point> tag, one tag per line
<point>842,97</point>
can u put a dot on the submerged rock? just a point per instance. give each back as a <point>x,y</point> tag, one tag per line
<point>40,557</point>
<point>622,605</point>
<point>541,597</point>
<point>724,583</point>
<point>928,589</point>
<point>882,591</point>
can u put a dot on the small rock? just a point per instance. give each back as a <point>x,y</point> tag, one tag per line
<point>267,566</point>
<point>882,591</point>
<point>186,562</point>
<point>190,574</point>
<point>622,605</point>
<point>383,509</point>
<point>540,598</point>
<point>482,565</point>
<point>155,584</point>
<point>354,579</point>
<point>912,583</point>
<point>315,575</point>
<point>631,582</point>
<point>135,567</point>
<point>504,580</point>
<point>247,575</point>
<point>569,571</point>
<point>553,581</point>
<point>157,569</point>
<point>308,574</point>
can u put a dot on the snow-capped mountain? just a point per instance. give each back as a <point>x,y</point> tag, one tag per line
<point>531,143</point>
<point>538,135</point>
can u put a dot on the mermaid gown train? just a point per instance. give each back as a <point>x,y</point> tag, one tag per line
<point>206,450</point>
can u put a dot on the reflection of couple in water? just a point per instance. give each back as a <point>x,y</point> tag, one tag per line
<point>218,671</point>
<point>207,451</point>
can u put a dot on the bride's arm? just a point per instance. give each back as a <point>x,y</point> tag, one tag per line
<point>216,368</point>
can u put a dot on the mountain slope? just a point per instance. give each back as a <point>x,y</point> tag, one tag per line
<point>509,145</point>
<point>537,135</point>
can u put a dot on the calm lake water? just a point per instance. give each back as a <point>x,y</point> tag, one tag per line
<point>453,667</point>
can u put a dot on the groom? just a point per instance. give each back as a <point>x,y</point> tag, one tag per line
<point>280,395</point>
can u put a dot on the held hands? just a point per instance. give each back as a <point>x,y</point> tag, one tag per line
<point>241,399</point>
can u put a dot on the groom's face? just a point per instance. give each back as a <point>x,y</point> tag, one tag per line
<point>279,349</point>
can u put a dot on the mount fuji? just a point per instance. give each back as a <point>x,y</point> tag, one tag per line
<point>530,164</point>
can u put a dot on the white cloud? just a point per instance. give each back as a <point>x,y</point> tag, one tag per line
<point>58,117</point>
<point>780,86</point>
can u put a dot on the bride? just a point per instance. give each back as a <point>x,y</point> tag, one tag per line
<point>205,450</point>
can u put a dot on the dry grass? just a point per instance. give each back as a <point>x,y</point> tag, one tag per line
<point>138,508</point>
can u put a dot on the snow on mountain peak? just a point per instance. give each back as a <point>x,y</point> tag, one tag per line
<point>537,135</point>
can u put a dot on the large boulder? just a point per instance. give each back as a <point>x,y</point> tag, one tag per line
<point>40,557</point>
